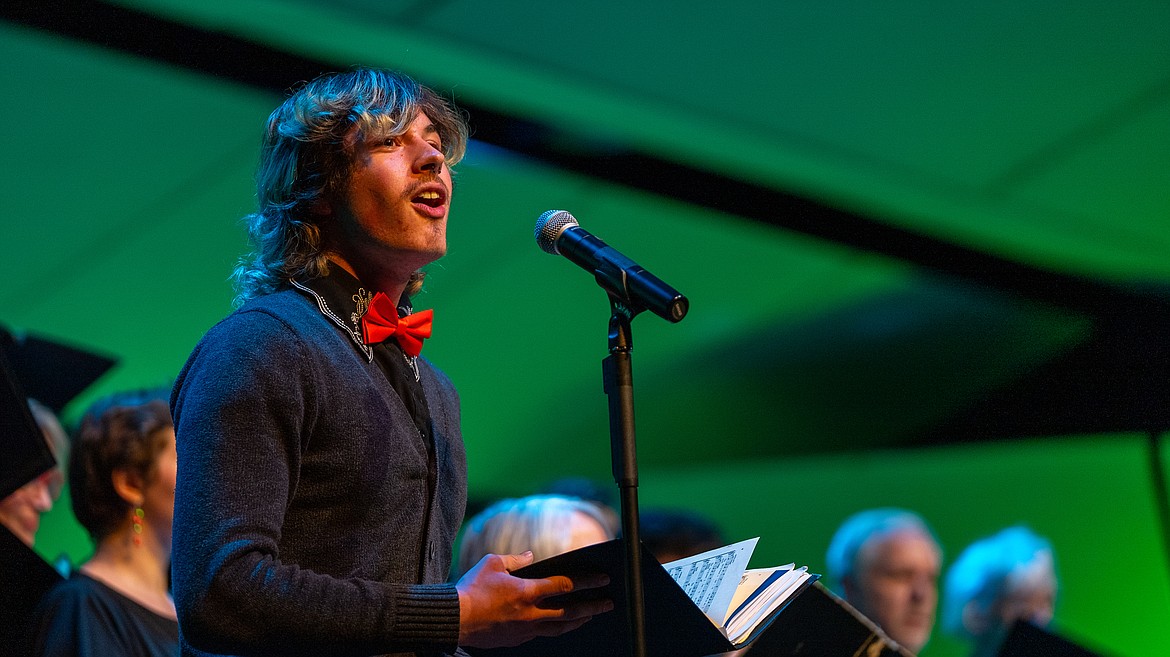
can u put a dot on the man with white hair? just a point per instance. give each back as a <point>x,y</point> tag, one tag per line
<point>997,581</point>
<point>886,562</point>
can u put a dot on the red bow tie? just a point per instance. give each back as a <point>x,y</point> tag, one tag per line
<point>381,322</point>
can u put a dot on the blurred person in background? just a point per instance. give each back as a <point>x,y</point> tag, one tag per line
<point>21,510</point>
<point>995,582</point>
<point>122,483</point>
<point>672,534</point>
<point>546,525</point>
<point>886,563</point>
<point>604,495</point>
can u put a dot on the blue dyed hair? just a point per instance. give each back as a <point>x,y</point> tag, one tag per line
<point>306,158</point>
<point>991,567</point>
<point>841,558</point>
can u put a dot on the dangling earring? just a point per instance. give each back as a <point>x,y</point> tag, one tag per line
<point>137,525</point>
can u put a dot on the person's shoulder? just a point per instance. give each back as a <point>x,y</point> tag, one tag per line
<point>281,336</point>
<point>261,330</point>
<point>73,594</point>
<point>82,616</point>
<point>78,584</point>
<point>287,306</point>
<point>71,605</point>
<point>271,318</point>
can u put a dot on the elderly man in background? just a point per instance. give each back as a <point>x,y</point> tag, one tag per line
<point>997,581</point>
<point>21,510</point>
<point>886,563</point>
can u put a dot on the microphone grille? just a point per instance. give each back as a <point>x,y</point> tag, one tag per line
<point>549,227</point>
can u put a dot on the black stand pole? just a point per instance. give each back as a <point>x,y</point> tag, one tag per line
<point>619,387</point>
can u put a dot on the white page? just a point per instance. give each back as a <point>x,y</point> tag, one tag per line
<point>760,608</point>
<point>767,597</point>
<point>710,578</point>
<point>751,580</point>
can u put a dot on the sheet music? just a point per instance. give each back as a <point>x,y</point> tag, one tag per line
<point>710,578</point>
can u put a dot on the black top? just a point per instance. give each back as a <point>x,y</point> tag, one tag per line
<point>81,617</point>
<point>25,578</point>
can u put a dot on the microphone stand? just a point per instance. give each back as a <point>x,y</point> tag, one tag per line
<point>619,387</point>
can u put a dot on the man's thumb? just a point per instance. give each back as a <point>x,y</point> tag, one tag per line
<point>517,561</point>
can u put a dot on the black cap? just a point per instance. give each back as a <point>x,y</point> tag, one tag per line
<point>24,450</point>
<point>51,373</point>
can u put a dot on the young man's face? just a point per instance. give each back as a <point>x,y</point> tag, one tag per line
<point>391,218</point>
<point>895,584</point>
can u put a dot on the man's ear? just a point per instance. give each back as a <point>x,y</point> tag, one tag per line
<point>129,486</point>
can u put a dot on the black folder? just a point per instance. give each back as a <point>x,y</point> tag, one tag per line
<point>820,624</point>
<point>1027,640</point>
<point>675,627</point>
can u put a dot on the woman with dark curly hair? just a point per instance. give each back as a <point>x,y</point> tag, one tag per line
<point>122,482</point>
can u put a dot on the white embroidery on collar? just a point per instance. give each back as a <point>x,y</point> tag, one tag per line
<point>354,334</point>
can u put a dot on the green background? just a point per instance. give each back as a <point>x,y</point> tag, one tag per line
<point>799,388</point>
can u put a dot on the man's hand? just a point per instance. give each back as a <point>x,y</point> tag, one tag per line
<point>498,610</point>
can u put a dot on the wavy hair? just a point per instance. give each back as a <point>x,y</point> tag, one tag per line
<point>121,432</point>
<point>306,158</point>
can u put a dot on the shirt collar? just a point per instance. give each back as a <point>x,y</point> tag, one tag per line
<point>344,299</point>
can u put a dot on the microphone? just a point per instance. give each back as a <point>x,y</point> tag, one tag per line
<point>558,233</point>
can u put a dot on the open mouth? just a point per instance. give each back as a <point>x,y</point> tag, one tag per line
<point>430,198</point>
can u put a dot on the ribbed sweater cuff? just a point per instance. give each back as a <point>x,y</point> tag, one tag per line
<point>427,617</point>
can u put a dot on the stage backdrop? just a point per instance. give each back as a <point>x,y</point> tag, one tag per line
<point>892,226</point>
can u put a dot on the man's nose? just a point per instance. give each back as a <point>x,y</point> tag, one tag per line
<point>430,159</point>
<point>42,498</point>
<point>922,589</point>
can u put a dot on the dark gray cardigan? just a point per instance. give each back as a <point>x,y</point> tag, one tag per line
<point>301,514</point>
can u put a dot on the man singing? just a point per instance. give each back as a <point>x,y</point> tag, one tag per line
<point>322,476</point>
